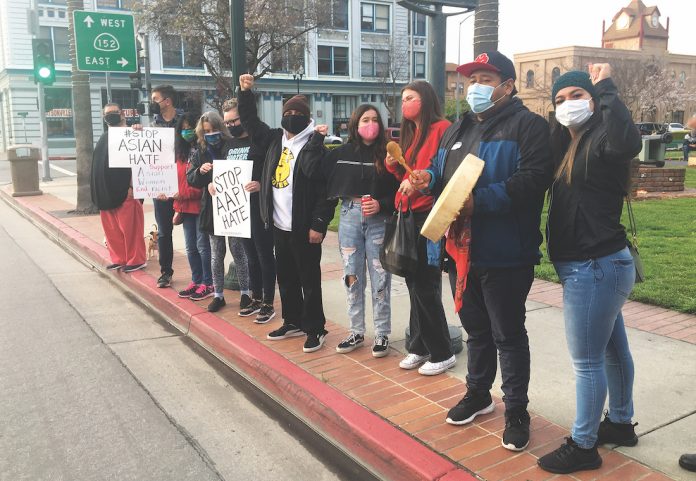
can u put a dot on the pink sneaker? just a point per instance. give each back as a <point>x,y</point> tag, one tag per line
<point>189,291</point>
<point>202,292</point>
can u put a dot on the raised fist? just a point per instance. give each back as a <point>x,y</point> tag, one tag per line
<point>246,82</point>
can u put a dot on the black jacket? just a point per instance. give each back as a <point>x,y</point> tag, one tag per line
<point>310,208</point>
<point>584,216</point>
<point>109,186</point>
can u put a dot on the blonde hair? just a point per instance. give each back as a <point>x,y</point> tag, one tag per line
<point>230,104</point>
<point>215,120</point>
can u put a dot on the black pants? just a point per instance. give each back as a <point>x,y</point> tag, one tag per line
<point>259,251</point>
<point>164,214</point>
<point>427,322</point>
<point>299,280</point>
<point>493,314</point>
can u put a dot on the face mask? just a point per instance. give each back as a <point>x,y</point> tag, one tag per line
<point>294,123</point>
<point>411,110</point>
<point>213,138</point>
<point>236,130</point>
<point>188,134</point>
<point>112,119</point>
<point>572,113</point>
<point>154,108</point>
<point>369,131</point>
<point>479,97</point>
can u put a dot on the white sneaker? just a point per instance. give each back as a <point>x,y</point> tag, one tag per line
<point>435,368</point>
<point>412,361</point>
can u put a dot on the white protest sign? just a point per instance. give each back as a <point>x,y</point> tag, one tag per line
<point>231,201</point>
<point>149,146</point>
<point>151,180</point>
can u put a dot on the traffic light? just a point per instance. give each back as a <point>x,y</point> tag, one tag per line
<point>136,80</point>
<point>44,66</point>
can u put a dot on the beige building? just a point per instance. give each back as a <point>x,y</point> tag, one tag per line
<point>635,43</point>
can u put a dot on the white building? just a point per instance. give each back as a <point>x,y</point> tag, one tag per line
<point>343,67</point>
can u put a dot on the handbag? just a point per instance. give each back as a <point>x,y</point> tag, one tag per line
<point>633,242</point>
<point>399,252</point>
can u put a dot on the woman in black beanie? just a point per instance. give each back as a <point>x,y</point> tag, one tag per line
<point>593,141</point>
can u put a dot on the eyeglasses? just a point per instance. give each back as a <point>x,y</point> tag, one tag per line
<point>231,122</point>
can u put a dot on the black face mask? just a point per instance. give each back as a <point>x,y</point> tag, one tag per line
<point>154,108</point>
<point>236,130</point>
<point>294,123</point>
<point>112,119</point>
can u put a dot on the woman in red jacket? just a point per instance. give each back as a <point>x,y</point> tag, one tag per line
<point>422,128</point>
<point>187,206</point>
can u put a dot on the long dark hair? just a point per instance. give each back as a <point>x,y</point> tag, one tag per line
<point>380,144</point>
<point>565,148</point>
<point>431,112</point>
<point>181,147</point>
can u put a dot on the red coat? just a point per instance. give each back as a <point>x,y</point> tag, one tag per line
<point>189,199</point>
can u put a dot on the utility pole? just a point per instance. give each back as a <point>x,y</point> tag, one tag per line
<point>238,41</point>
<point>41,100</point>
<point>486,27</point>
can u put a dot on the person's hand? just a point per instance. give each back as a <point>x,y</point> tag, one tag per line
<point>370,207</point>
<point>162,197</point>
<point>406,188</point>
<point>599,71</point>
<point>389,160</point>
<point>137,126</point>
<point>211,189</point>
<point>246,82</point>
<point>253,186</point>
<point>315,237</point>
<point>322,129</point>
<point>468,208</point>
<point>205,168</point>
<point>420,179</point>
<point>175,196</point>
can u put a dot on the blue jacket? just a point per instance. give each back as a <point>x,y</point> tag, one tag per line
<point>509,195</point>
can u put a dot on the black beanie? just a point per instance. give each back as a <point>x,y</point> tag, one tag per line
<point>299,103</point>
<point>574,78</point>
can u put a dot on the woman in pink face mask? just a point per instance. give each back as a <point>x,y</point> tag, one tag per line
<point>357,177</point>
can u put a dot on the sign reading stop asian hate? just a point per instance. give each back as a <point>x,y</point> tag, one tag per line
<point>151,145</point>
<point>231,202</point>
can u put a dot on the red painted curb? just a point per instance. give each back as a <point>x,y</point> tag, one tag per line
<point>371,440</point>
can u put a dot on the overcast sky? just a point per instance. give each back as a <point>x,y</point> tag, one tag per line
<point>528,25</point>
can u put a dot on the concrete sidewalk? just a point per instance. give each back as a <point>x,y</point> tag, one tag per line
<point>358,401</point>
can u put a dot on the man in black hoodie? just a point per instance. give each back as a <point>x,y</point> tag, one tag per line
<point>121,215</point>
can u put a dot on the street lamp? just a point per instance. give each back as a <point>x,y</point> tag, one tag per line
<point>297,76</point>
<point>459,62</point>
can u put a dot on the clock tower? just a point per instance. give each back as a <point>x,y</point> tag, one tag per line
<point>637,27</point>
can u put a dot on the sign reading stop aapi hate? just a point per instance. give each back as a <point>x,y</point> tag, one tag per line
<point>130,148</point>
<point>231,208</point>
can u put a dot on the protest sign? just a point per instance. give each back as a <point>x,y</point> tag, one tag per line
<point>149,146</point>
<point>151,180</point>
<point>231,201</point>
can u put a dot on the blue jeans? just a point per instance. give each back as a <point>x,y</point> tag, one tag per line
<point>360,240</point>
<point>197,250</point>
<point>594,291</point>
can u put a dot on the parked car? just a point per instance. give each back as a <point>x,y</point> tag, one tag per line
<point>393,133</point>
<point>651,128</point>
<point>674,126</point>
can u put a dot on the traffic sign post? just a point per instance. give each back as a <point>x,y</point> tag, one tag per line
<point>104,42</point>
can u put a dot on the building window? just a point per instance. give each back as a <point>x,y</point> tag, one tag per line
<point>54,2</point>
<point>127,100</point>
<point>555,73</point>
<point>374,17</point>
<point>682,78</point>
<point>374,63</point>
<point>530,79</point>
<point>59,114</point>
<point>178,54</point>
<point>116,4</point>
<point>339,14</point>
<point>333,60</point>
<point>343,106</point>
<point>289,58</point>
<point>419,64</point>
<point>61,47</point>
<point>419,22</point>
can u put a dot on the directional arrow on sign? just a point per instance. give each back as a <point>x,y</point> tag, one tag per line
<point>123,62</point>
<point>88,21</point>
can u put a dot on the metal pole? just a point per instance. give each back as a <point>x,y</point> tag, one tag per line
<point>410,48</point>
<point>24,127</point>
<point>148,82</point>
<point>43,134</point>
<point>438,30</point>
<point>459,62</point>
<point>108,86</point>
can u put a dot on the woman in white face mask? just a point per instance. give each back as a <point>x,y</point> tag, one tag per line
<point>593,141</point>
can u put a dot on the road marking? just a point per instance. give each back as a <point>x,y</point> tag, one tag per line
<point>59,169</point>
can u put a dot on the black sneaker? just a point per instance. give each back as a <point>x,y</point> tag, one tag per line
<point>248,306</point>
<point>314,341</point>
<point>350,343</point>
<point>285,331</point>
<point>516,434</point>
<point>688,462</point>
<point>165,280</point>
<point>470,406</point>
<point>621,434</point>
<point>266,313</point>
<point>216,304</point>
<point>570,458</point>
<point>191,289</point>
<point>380,347</point>
<point>134,267</point>
<point>113,267</point>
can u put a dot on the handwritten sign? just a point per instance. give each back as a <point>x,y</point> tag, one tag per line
<point>151,180</point>
<point>149,146</point>
<point>231,201</point>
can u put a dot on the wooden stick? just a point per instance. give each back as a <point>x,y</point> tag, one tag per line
<point>395,151</point>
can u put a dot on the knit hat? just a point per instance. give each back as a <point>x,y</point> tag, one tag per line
<point>574,78</point>
<point>299,103</point>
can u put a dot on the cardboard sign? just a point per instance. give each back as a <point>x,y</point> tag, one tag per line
<point>149,181</point>
<point>149,146</point>
<point>231,208</point>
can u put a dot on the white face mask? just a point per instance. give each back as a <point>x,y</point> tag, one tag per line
<point>573,113</point>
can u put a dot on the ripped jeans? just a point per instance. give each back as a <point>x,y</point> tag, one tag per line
<point>360,240</point>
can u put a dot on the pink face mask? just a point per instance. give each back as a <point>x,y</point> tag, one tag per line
<point>411,110</point>
<point>369,131</point>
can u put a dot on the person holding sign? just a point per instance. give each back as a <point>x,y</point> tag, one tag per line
<point>112,192</point>
<point>293,203</point>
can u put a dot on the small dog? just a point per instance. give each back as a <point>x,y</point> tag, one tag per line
<point>152,242</point>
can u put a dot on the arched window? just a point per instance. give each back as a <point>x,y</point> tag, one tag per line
<point>555,73</point>
<point>682,78</point>
<point>530,79</point>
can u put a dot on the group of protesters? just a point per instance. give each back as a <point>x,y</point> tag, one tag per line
<point>581,164</point>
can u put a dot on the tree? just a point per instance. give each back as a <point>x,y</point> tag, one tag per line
<point>486,27</point>
<point>391,67</point>
<point>451,109</point>
<point>275,30</point>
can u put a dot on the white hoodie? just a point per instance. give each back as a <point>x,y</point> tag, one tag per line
<point>283,177</point>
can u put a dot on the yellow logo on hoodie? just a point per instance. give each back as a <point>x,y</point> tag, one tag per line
<point>280,178</point>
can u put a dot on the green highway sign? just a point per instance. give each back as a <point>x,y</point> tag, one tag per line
<point>104,42</point>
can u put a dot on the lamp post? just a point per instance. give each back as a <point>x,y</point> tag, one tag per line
<point>459,62</point>
<point>297,76</point>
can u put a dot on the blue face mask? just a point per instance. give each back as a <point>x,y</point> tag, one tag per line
<point>479,97</point>
<point>213,138</point>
